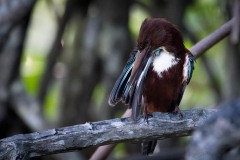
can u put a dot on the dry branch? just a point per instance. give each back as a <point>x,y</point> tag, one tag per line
<point>102,152</point>
<point>161,126</point>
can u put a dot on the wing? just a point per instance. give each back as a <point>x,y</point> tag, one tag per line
<point>188,70</point>
<point>129,86</point>
<point>129,92</point>
<point>121,83</point>
<point>133,92</point>
<point>136,101</point>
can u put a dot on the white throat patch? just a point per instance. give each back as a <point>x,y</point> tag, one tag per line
<point>163,62</point>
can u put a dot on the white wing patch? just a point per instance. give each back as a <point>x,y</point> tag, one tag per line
<point>163,62</point>
<point>185,69</point>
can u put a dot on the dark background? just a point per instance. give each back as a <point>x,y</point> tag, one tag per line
<point>59,60</point>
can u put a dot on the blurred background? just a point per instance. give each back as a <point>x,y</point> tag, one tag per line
<point>59,60</point>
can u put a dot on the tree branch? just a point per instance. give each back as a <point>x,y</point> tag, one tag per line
<point>203,45</point>
<point>27,108</point>
<point>161,126</point>
<point>102,152</point>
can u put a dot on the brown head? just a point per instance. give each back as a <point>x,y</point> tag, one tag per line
<point>158,32</point>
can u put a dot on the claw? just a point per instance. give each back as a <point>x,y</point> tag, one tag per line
<point>178,112</point>
<point>146,116</point>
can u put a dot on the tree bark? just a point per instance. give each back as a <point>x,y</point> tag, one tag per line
<point>160,126</point>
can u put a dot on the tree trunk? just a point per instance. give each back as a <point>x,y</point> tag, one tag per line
<point>232,87</point>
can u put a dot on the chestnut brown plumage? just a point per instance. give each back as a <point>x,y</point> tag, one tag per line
<point>156,73</point>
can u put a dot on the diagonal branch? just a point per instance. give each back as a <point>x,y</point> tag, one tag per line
<point>203,45</point>
<point>161,126</point>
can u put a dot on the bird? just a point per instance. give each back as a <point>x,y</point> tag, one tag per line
<point>156,73</point>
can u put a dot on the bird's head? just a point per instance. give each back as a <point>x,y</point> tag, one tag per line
<point>156,33</point>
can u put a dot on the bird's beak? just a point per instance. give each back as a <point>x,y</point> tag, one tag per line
<point>140,62</point>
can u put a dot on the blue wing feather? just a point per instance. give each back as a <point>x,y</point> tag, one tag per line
<point>121,83</point>
<point>138,89</point>
<point>190,68</point>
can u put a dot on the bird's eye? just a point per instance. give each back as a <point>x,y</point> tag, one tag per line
<point>158,51</point>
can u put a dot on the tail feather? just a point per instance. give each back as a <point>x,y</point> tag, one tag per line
<point>148,147</point>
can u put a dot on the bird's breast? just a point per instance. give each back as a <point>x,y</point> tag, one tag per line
<point>163,84</point>
<point>164,62</point>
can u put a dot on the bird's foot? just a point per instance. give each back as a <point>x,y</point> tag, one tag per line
<point>146,116</point>
<point>178,112</point>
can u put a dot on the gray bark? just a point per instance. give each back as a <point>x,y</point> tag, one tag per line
<point>161,126</point>
<point>219,134</point>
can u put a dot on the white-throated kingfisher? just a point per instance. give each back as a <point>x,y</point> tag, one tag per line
<point>156,73</point>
